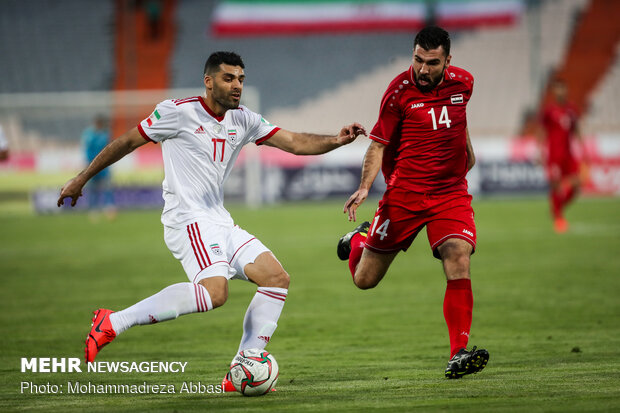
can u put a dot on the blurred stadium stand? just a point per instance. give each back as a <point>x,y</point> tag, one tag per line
<point>287,70</point>
<point>605,104</point>
<point>64,61</point>
<point>501,60</point>
<point>56,46</point>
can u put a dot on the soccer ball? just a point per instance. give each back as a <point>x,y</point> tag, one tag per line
<point>254,372</point>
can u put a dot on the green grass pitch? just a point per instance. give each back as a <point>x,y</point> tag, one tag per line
<point>547,308</point>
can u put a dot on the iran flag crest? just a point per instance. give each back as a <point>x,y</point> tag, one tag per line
<point>216,249</point>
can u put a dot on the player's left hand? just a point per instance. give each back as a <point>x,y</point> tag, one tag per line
<point>349,133</point>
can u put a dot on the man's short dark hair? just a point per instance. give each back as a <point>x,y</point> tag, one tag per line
<point>214,61</point>
<point>432,37</point>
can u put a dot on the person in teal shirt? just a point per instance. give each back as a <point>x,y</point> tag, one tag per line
<point>99,192</point>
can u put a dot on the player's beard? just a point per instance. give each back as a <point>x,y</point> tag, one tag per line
<point>432,82</point>
<point>225,98</point>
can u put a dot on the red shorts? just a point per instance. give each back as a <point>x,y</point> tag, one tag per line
<point>558,168</point>
<point>402,214</point>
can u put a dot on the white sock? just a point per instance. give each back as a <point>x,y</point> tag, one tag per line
<point>262,316</point>
<point>168,304</point>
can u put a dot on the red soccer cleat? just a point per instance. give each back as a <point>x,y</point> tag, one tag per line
<point>560,225</point>
<point>101,333</point>
<point>227,385</point>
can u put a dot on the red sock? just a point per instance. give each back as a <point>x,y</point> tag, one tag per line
<point>357,247</point>
<point>557,203</point>
<point>569,195</point>
<point>458,304</point>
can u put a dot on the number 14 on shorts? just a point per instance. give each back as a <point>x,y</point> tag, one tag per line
<point>382,229</point>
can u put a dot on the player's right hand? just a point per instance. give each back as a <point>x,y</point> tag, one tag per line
<point>354,202</point>
<point>349,133</point>
<point>72,189</point>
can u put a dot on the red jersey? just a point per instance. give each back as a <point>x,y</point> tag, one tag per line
<point>425,133</point>
<point>560,123</point>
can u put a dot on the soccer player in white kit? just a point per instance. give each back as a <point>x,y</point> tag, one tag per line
<point>201,138</point>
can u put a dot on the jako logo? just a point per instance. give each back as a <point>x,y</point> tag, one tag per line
<point>264,338</point>
<point>51,365</point>
<point>417,105</point>
<point>468,233</point>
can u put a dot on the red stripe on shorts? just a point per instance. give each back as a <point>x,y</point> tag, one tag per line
<point>192,241</point>
<point>201,243</point>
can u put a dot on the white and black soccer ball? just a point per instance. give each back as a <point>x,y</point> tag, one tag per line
<point>254,372</point>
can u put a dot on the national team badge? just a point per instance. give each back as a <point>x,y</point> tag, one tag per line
<point>216,249</point>
<point>232,135</point>
<point>456,99</point>
<point>155,116</point>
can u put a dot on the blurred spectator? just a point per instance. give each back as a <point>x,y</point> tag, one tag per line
<point>559,126</point>
<point>153,10</point>
<point>100,195</point>
<point>4,146</point>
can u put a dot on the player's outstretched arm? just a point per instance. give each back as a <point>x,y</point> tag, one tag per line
<point>311,144</point>
<point>113,151</point>
<point>370,169</point>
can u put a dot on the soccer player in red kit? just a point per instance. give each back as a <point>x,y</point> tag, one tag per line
<point>560,121</point>
<point>422,146</point>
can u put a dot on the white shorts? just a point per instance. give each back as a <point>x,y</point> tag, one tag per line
<point>208,250</point>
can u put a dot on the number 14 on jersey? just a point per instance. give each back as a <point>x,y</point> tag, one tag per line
<point>443,117</point>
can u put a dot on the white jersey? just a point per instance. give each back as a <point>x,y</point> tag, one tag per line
<point>199,151</point>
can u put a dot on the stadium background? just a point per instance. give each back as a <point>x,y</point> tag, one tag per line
<point>314,66</point>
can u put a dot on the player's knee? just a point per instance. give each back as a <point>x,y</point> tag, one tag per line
<point>458,267</point>
<point>455,250</point>
<point>280,279</point>
<point>456,258</point>
<point>365,281</point>
<point>217,289</point>
<point>218,297</point>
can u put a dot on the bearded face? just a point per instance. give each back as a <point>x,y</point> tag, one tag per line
<point>225,86</point>
<point>429,67</point>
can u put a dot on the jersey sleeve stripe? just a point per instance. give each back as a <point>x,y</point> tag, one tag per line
<point>143,133</point>
<point>269,135</point>
<point>186,100</point>
<point>378,139</point>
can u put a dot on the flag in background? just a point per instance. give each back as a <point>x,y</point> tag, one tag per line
<point>238,18</point>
